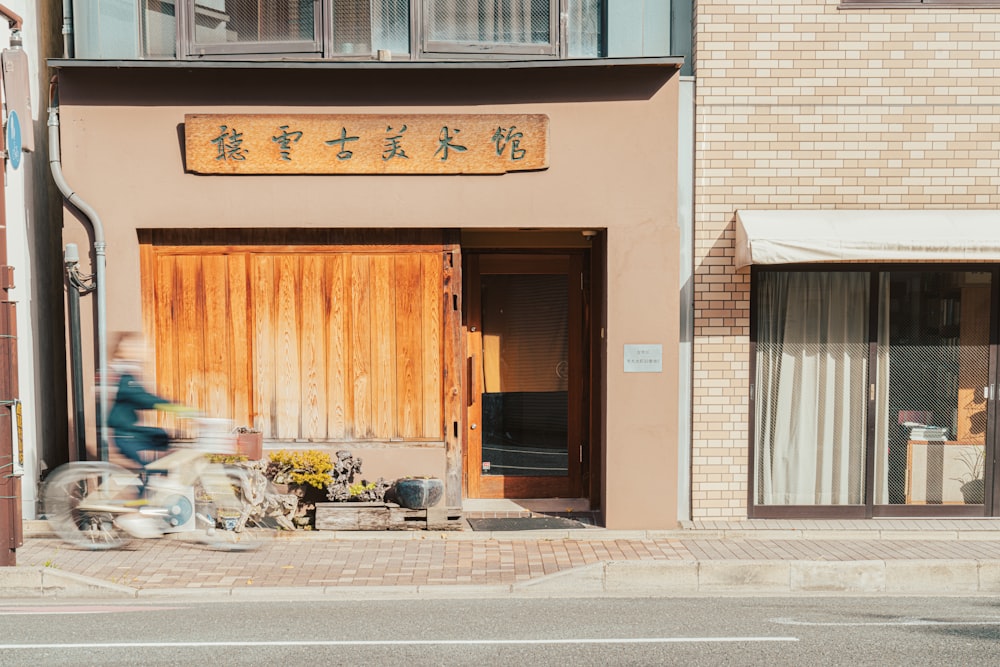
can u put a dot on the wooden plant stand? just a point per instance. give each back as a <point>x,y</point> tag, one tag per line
<point>385,516</point>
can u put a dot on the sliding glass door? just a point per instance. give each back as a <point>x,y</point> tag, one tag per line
<point>872,392</point>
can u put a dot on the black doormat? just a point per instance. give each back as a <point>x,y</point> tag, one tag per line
<point>525,523</point>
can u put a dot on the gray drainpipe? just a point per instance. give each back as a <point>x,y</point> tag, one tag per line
<point>99,246</point>
<point>69,48</point>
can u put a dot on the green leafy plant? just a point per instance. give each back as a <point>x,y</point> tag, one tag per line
<point>310,467</point>
<point>974,462</point>
<point>360,489</point>
<point>343,488</point>
<point>228,458</point>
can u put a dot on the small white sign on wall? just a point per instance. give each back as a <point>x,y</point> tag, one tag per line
<point>643,358</point>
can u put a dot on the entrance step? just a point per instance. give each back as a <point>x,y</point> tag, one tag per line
<point>505,508</point>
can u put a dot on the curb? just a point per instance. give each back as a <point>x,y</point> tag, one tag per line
<point>651,578</point>
<point>39,528</point>
<point>648,578</point>
<point>46,582</point>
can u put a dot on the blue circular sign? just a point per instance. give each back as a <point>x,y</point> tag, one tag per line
<point>14,139</point>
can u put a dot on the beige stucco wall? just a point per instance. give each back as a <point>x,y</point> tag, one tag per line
<point>801,105</point>
<point>612,167</point>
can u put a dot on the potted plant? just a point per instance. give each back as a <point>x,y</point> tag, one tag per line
<point>973,484</point>
<point>303,473</point>
<point>299,469</point>
<point>343,488</point>
<point>417,493</point>
<point>250,443</point>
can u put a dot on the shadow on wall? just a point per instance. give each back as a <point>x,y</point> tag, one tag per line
<point>458,86</point>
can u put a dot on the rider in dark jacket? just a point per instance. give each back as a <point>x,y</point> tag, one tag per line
<point>130,437</point>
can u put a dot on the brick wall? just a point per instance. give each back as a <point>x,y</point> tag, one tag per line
<point>801,105</point>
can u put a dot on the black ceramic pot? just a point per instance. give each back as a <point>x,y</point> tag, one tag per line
<point>974,492</point>
<point>417,493</point>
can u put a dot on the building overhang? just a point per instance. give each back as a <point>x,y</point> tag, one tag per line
<point>810,236</point>
<point>671,62</point>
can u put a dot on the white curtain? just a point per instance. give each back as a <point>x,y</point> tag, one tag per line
<point>496,21</point>
<point>811,394</point>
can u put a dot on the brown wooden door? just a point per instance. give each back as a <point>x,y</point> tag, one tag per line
<point>525,375</point>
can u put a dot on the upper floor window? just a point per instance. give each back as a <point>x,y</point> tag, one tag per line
<point>478,26</point>
<point>251,26</point>
<point>353,29</point>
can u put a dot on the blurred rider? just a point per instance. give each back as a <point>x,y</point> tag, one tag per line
<point>131,438</point>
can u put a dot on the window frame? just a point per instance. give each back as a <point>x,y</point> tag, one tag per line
<point>188,48</point>
<point>420,18</point>
<point>321,47</point>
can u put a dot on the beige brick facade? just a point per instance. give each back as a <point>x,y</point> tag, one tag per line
<point>803,105</point>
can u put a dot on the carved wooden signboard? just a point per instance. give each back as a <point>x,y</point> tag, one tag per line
<point>365,144</point>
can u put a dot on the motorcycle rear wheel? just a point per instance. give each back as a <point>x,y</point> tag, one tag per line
<point>92,527</point>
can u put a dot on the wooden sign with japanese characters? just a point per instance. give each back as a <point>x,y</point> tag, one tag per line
<point>365,144</point>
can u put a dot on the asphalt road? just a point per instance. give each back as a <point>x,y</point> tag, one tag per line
<point>603,631</point>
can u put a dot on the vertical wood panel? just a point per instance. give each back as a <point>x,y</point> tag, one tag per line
<point>312,343</point>
<point>217,384</point>
<point>337,319</point>
<point>287,366</point>
<point>147,287</point>
<point>190,330</point>
<point>240,340</point>
<point>329,345</point>
<point>383,354</point>
<point>262,295</point>
<point>166,330</point>
<point>409,358</point>
<point>360,425</point>
<point>434,302</point>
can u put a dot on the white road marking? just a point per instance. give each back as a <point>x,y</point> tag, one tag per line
<point>901,622</point>
<point>73,610</point>
<point>404,642</point>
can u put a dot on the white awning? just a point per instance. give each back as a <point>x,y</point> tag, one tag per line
<point>791,237</point>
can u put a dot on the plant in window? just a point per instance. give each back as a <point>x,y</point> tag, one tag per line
<point>973,485</point>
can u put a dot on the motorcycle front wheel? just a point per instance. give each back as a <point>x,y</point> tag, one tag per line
<point>223,520</point>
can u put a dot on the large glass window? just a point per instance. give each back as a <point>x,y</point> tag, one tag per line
<point>812,377</point>
<point>350,29</point>
<point>522,26</point>
<point>905,396</point>
<point>362,29</point>
<point>160,28</point>
<point>583,25</point>
<point>933,359</point>
<point>525,374</point>
<point>265,26</point>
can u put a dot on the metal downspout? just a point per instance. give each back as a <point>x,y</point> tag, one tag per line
<point>99,256</point>
<point>69,47</point>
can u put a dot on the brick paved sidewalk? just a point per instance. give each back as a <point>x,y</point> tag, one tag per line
<point>433,559</point>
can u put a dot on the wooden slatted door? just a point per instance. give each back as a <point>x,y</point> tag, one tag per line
<point>334,345</point>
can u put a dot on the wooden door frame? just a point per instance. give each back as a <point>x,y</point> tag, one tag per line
<point>571,263</point>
